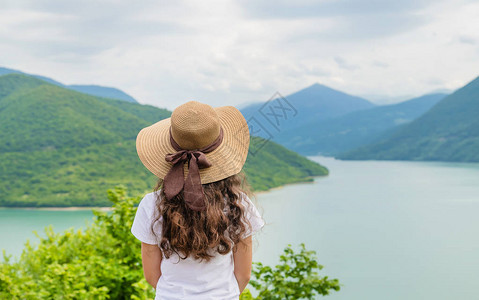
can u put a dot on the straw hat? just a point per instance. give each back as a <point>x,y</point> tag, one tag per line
<point>195,125</point>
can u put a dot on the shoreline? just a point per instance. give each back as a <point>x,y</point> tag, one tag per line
<point>310,179</point>
<point>103,208</point>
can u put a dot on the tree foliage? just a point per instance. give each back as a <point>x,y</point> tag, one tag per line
<point>296,277</point>
<point>103,261</point>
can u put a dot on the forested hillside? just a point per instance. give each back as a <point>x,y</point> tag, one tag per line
<point>449,131</point>
<point>64,148</point>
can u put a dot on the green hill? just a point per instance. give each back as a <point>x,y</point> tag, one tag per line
<point>64,148</point>
<point>12,83</point>
<point>50,117</point>
<point>447,132</point>
<point>354,129</point>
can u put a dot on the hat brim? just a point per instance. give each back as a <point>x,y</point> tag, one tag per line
<point>153,144</point>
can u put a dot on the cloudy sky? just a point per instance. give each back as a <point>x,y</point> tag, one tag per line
<point>235,51</point>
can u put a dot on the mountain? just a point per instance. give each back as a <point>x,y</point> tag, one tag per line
<point>449,131</point>
<point>94,90</point>
<point>354,129</point>
<point>312,104</point>
<point>65,148</point>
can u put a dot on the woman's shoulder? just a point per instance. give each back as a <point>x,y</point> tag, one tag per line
<point>246,201</point>
<point>151,197</point>
<point>145,215</point>
<point>149,202</point>
<point>252,215</point>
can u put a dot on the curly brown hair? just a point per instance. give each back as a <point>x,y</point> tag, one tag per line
<point>200,234</point>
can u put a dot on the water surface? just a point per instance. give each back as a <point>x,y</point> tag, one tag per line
<point>387,230</point>
<point>18,225</point>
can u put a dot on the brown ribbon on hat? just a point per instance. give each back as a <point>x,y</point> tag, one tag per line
<point>174,180</point>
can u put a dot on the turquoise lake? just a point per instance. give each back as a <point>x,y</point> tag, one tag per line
<point>386,230</point>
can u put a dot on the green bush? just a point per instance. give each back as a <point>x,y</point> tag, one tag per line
<point>296,277</point>
<point>104,262</point>
<point>101,262</point>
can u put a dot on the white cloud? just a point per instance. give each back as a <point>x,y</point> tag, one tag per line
<point>229,52</point>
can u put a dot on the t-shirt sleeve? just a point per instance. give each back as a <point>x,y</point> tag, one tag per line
<point>141,227</point>
<point>252,214</point>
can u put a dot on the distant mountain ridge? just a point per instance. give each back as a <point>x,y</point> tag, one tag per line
<point>314,103</point>
<point>94,90</point>
<point>322,120</point>
<point>354,129</point>
<point>449,131</point>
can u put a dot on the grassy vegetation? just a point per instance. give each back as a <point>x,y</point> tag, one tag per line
<point>63,148</point>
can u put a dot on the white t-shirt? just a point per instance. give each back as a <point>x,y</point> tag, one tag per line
<point>190,278</point>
